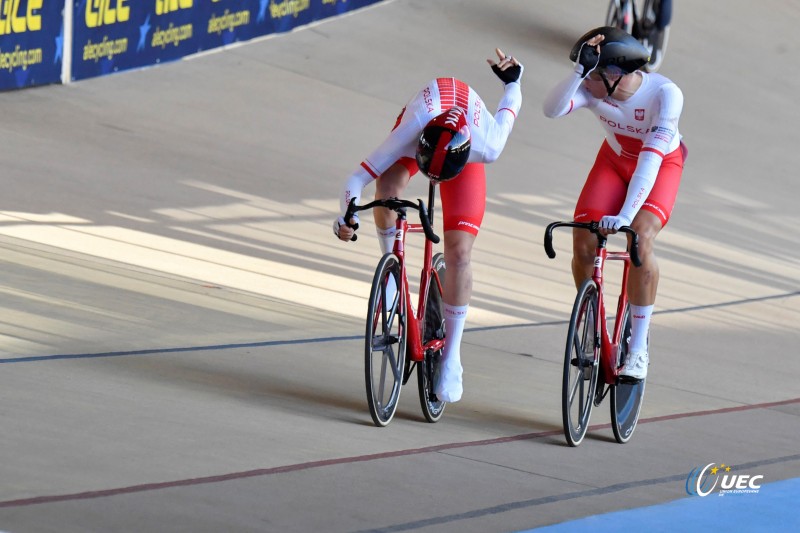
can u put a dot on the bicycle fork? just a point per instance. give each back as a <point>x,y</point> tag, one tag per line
<point>414,348</point>
<point>611,342</point>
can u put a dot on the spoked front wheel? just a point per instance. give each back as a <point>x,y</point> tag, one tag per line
<point>432,407</point>
<point>620,15</point>
<point>581,364</point>
<point>626,395</point>
<point>385,341</point>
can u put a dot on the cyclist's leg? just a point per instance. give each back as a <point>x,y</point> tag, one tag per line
<point>602,194</point>
<point>643,281</point>
<point>654,215</point>
<point>664,15</point>
<point>390,184</point>
<point>463,206</point>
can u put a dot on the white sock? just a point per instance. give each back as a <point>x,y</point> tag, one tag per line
<point>640,327</point>
<point>449,386</point>
<point>386,238</point>
<point>455,316</point>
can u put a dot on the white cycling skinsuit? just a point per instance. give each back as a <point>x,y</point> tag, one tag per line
<point>489,133</point>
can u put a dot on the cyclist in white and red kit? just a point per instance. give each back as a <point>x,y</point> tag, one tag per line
<point>447,132</point>
<point>635,178</point>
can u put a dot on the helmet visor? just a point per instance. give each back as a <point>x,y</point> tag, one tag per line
<point>610,72</point>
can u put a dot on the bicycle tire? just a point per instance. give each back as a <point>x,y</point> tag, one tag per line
<point>626,395</point>
<point>385,341</point>
<point>581,365</point>
<point>620,15</point>
<point>653,37</point>
<point>432,407</point>
<point>660,40</point>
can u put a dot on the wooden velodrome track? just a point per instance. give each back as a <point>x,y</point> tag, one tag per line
<point>180,332</point>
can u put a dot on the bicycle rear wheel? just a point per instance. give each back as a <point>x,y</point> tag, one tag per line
<point>581,364</point>
<point>660,39</point>
<point>626,395</point>
<point>432,407</point>
<point>620,15</point>
<point>385,341</point>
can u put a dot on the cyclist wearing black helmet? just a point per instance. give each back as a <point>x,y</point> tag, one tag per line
<point>635,177</point>
<point>446,131</point>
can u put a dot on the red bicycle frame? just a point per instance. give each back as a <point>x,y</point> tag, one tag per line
<point>610,343</point>
<point>416,318</point>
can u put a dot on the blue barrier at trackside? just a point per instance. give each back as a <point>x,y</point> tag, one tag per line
<point>31,42</point>
<point>105,36</point>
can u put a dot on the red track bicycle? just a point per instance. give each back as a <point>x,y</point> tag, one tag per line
<point>399,340</point>
<point>594,355</point>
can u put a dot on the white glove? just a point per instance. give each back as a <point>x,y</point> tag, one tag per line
<point>614,223</point>
<point>339,223</point>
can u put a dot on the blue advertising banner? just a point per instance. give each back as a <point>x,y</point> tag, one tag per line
<point>31,42</point>
<point>114,35</point>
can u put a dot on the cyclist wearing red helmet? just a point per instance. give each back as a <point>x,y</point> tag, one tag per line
<point>635,178</point>
<point>446,131</point>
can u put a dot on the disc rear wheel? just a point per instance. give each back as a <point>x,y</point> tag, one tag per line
<point>627,395</point>
<point>432,407</point>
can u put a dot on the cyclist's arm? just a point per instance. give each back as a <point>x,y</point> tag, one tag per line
<point>660,140</point>
<point>565,97</point>
<point>500,128</point>
<point>401,142</point>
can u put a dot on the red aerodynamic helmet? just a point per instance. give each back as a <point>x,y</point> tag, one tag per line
<point>444,146</point>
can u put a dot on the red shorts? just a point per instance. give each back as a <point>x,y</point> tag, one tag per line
<point>463,198</point>
<point>605,188</point>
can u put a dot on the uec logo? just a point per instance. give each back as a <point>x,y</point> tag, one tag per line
<point>701,482</point>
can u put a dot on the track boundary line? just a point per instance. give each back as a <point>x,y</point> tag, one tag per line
<point>155,351</point>
<point>260,472</point>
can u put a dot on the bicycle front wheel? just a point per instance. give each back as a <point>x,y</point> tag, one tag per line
<point>581,364</point>
<point>626,395</point>
<point>385,341</point>
<point>620,15</point>
<point>432,407</point>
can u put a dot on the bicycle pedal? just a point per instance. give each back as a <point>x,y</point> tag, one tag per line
<point>586,366</point>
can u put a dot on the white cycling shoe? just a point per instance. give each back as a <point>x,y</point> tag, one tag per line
<point>448,385</point>
<point>636,366</point>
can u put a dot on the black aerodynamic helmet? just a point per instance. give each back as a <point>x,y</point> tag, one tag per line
<point>618,49</point>
<point>444,146</point>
